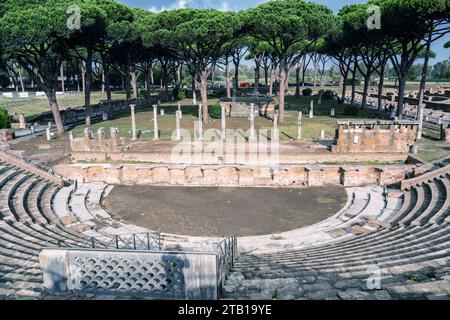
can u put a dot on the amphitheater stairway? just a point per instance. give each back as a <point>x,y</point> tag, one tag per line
<point>406,257</point>
<point>27,224</point>
<point>400,239</point>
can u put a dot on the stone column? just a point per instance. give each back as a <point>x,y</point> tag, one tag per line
<point>333,112</point>
<point>322,134</point>
<point>22,122</point>
<point>311,110</point>
<point>299,125</point>
<point>178,124</point>
<point>252,135</point>
<point>133,123</point>
<point>163,112</point>
<point>48,134</point>
<point>114,140</point>
<point>275,132</point>
<point>101,136</point>
<point>200,112</point>
<point>224,125</point>
<point>199,130</point>
<point>87,135</point>
<point>155,123</point>
<point>179,111</point>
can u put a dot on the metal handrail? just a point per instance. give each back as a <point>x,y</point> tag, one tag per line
<point>134,241</point>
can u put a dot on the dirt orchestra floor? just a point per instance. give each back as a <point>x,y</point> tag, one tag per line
<point>200,211</point>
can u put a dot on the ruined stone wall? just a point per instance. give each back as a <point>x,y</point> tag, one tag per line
<point>375,137</point>
<point>235,176</point>
<point>87,143</point>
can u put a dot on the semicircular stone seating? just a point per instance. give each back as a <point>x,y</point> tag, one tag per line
<point>402,235</point>
<point>404,253</point>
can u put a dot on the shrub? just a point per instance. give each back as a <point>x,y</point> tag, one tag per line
<point>178,94</point>
<point>215,111</point>
<point>351,110</point>
<point>327,94</point>
<point>4,119</point>
<point>144,93</point>
<point>307,92</point>
<point>220,92</point>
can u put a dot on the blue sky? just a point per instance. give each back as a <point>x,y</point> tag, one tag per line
<point>236,5</point>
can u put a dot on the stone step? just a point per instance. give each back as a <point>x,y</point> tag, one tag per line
<point>423,201</point>
<point>362,243</point>
<point>441,215</point>
<point>289,258</point>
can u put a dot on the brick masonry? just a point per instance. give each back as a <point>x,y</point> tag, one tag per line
<point>375,137</point>
<point>235,176</point>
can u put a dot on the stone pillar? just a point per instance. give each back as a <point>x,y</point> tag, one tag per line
<point>224,125</point>
<point>199,130</point>
<point>114,140</point>
<point>200,112</point>
<point>299,125</point>
<point>311,110</point>
<point>48,134</point>
<point>22,122</point>
<point>275,134</point>
<point>252,135</point>
<point>320,100</point>
<point>322,134</point>
<point>87,135</point>
<point>333,112</point>
<point>180,111</point>
<point>178,124</point>
<point>49,125</point>
<point>163,112</point>
<point>155,123</point>
<point>133,123</point>
<point>101,136</point>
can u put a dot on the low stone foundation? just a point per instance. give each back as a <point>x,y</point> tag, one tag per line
<point>235,176</point>
<point>375,136</point>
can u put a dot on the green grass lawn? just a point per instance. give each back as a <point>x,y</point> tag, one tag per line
<point>431,150</point>
<point>310,130</point>
<point>36,106</point>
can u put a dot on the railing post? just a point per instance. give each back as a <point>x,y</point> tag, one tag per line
<point>148,241</point>
<point>93,243</point>
<point>134,241</point>
<point>117,242</point>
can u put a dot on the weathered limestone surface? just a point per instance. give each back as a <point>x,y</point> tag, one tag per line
<point>245,176</point>
<point>375,137</point>
<point>173,275</point>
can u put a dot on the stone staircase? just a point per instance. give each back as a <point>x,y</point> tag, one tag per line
<point>407,254</point>
<point>27,224</point>
<point>405,234</point>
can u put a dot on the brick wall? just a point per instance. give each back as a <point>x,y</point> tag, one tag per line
<point>375,137</point>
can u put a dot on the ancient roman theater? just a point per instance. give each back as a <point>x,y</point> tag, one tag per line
<point>210,150</point>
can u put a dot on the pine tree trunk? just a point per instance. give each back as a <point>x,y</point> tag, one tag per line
<point>87,92</point>
<point>55,110</point>
<point>204,93</point>
<point>380,88</point>
<point>283,81</point>
<point>228,80</point>
<point>133,82</point>
<point>297,80</point>
<point>423,82</point>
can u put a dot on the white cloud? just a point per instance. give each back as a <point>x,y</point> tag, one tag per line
<point>200,4</point>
